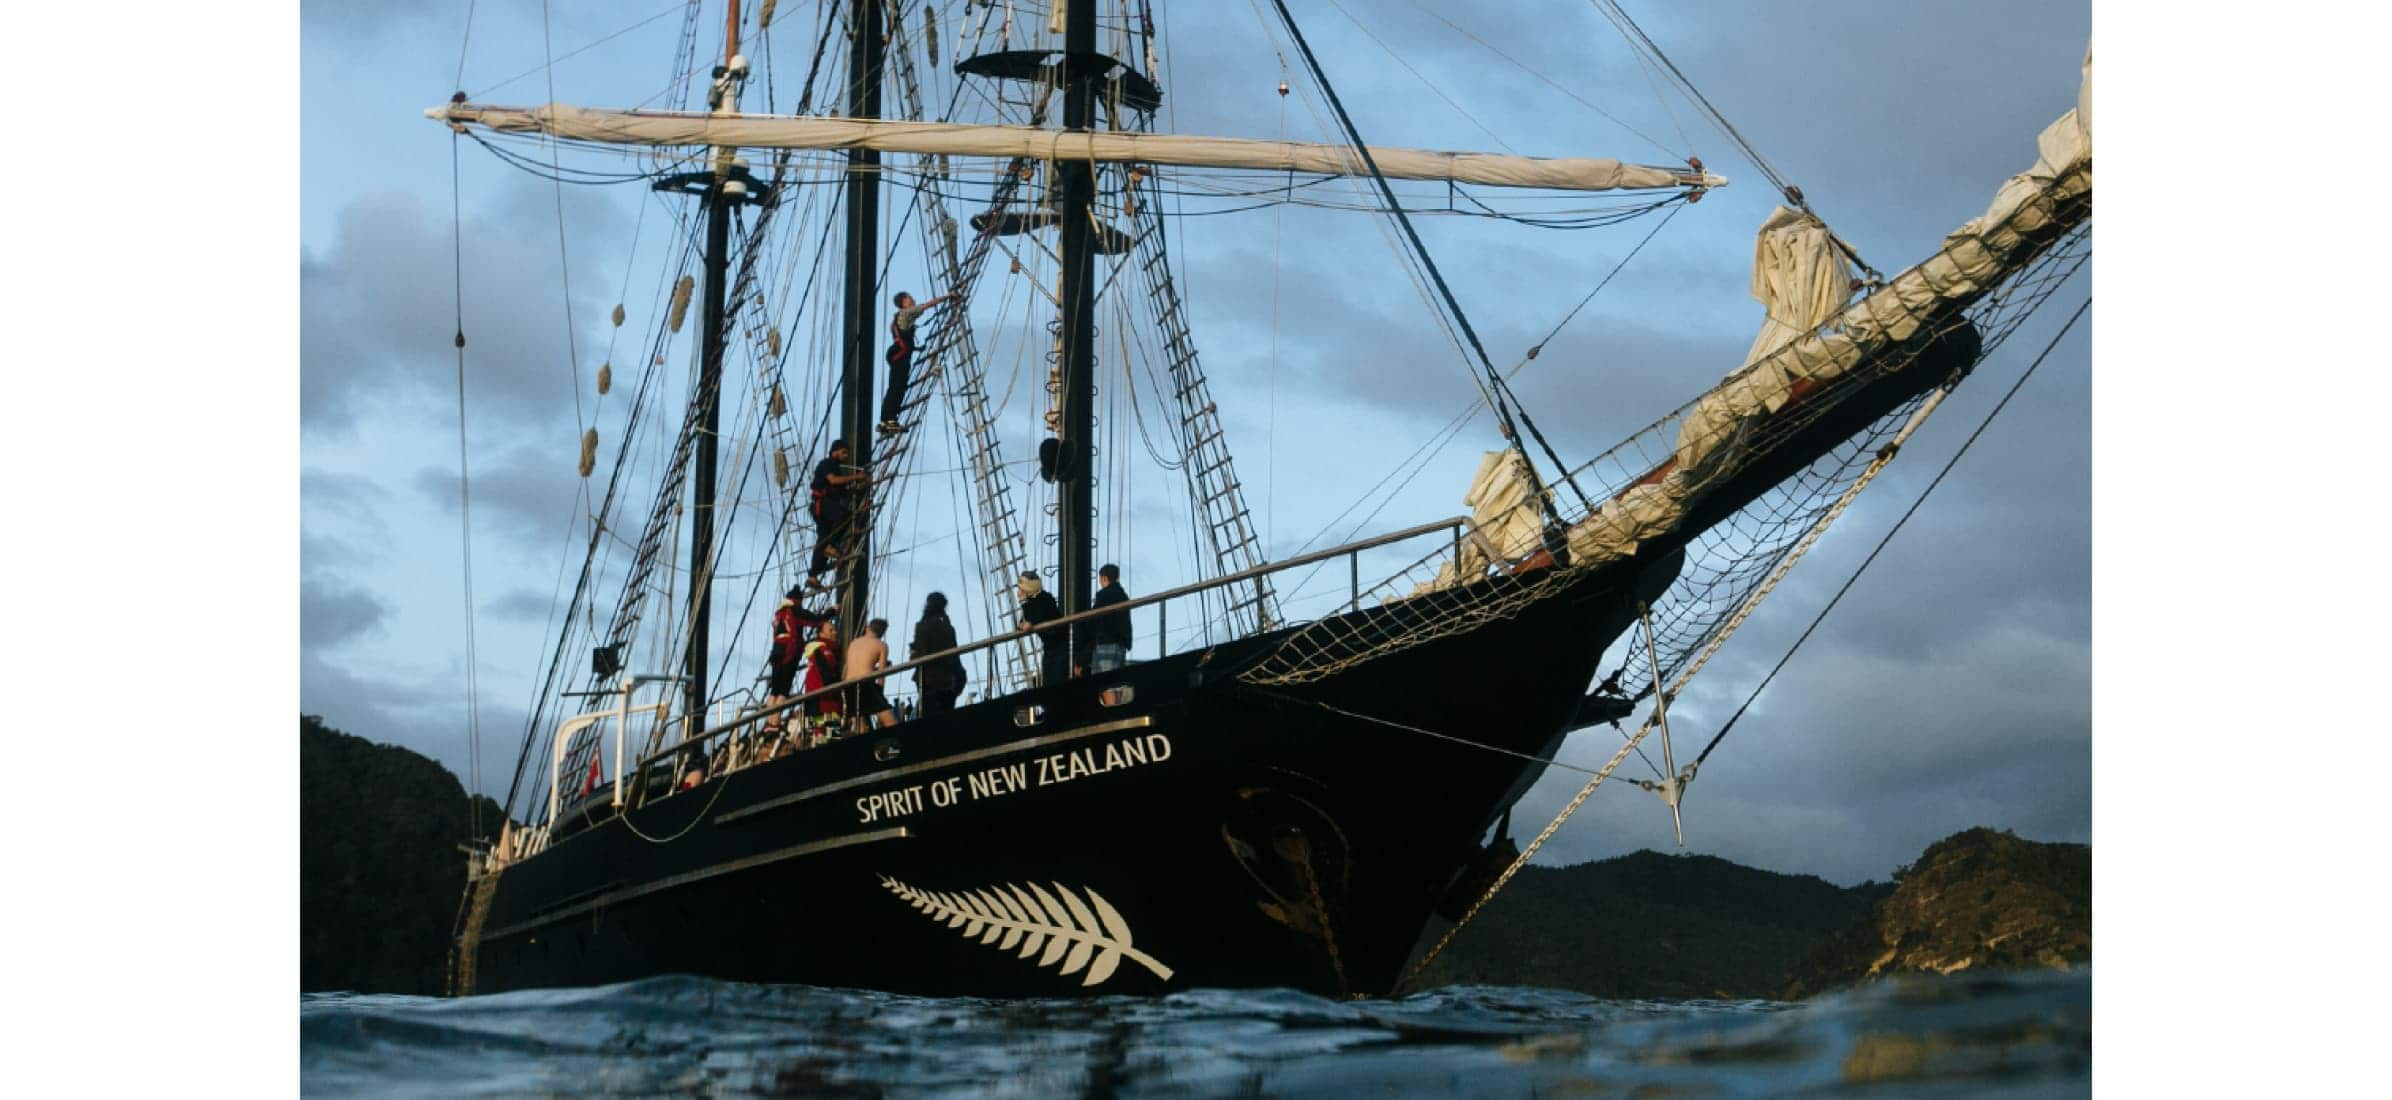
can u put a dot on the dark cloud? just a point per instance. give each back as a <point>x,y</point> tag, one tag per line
<point>529,495</point>
<point>348,496</point>
<point>372,696</point>
<point>368,694</point>
<point>379,310</point>
<point>356,22</point>
<point>341,523</point>
<point>321,553</point>
<point>522,605</point>
<point>331,616</point>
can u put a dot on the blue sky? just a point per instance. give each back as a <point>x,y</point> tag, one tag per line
<point>1951,689</point>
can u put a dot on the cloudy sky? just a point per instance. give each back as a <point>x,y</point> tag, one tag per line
<point>166,384</point>
<point>1951,688</point>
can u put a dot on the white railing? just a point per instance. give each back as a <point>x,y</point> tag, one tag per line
<point>621,715</point>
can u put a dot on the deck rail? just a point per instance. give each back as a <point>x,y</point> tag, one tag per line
<point>623,711</point>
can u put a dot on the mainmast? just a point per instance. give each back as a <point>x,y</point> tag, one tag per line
<point>861,310</point>
<point>725,184</point>
<point>1075,467</point>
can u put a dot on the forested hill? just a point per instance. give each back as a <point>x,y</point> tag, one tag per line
<point>1651,925</point>
<point>379,869</point>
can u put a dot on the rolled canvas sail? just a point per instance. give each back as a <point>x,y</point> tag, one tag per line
<point>1791,279</point>
<point>1503,527</point>
<point>955,139</point>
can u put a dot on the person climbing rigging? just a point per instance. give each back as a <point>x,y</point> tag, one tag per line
<point>901,356</point>
<point>837,506</point>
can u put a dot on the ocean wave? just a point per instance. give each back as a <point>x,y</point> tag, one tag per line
<point>1961,1035</point>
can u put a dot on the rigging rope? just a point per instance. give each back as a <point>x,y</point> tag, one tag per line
<point>564,263</point>
<point>1424,81</point>
<point>1526,854</point>
<point>1631,742</point>
<point>1497,391</point>
<point>1590,295</point>
<point>1550,762</point>
<point>1582,100</point>
<point>568,56</point>
<point>1637,38</point>
<point>462,47</point>
<point>473,706</point>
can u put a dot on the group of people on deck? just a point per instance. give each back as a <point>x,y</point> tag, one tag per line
<point>808,653</point>
<point>1101,644</point>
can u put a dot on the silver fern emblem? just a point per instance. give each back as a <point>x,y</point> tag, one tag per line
<point>1073,933</point>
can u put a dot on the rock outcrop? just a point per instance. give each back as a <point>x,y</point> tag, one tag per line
<point>1977,900</point>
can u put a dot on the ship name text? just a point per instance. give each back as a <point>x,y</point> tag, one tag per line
<point>1004,779</point>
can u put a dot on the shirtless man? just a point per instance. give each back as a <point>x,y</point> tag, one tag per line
<point>866,655</point>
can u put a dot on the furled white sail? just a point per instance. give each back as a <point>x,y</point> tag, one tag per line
<point>1798,276</point>
<point>1504,526</point>
<point>955,139</point>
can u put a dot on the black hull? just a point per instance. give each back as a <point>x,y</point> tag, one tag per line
<point>1242,836</point>
<point>1202,832</point>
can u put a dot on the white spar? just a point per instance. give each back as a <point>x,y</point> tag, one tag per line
<point>958,139</point>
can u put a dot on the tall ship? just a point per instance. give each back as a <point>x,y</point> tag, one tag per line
<point>1294,765</point>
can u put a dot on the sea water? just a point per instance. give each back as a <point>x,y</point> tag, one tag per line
<point>2021,1034</point>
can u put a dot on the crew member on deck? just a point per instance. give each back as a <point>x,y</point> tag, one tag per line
<point>865,656</point>
<point>837,506</point>
<point>822,670</point>
<point>1039,606</point>
<point>792,626</point>
<point>901,356</point>
<point>1108,636</point>
<point>941,680</point>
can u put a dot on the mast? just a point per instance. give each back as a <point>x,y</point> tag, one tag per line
<point>860,311</point>
<point>718,253</point>
<point>1075,518</point>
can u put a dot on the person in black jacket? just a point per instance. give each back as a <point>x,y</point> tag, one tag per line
<point>901,357</point>
<point>1039,606</point>
<point>1108,636</point>
<point>837,502</point>
<point>941,680</point>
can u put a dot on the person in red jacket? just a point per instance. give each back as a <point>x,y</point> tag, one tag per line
<point>822,661</point>
<point>792,626</point>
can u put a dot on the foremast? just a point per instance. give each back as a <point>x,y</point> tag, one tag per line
<point>1076,432</point>
<point>724,185</point>
<point>860,311</point>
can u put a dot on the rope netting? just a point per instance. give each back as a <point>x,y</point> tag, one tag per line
<point>1726,563</point>
<point>1737,476</point>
